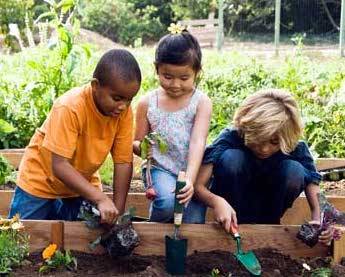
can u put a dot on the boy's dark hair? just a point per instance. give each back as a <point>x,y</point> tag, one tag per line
<point>179,49</point>
<point>119,63</point>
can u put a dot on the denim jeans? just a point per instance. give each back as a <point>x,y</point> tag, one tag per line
<point>162,207</point>
<point>32,207</point>
<point>260,191</point>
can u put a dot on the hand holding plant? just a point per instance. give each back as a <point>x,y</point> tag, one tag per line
<point>55,259</point>
<point>146,153</point>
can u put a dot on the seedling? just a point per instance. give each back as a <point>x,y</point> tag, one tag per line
<point>309,233</point>
<point>149,140</point>
<point>56,259</point>
<point>119,239</point>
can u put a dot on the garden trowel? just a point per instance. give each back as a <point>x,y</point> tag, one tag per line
<point>176,247</point>
<point>248,259</point>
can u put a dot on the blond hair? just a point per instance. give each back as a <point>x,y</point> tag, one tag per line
<point>269,113</point>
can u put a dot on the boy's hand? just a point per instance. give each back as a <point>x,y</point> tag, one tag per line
<point>186,193</point>
<point>108,211</point>
<point>224,214</point>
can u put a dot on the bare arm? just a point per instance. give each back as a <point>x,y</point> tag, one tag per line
<point>223,212</point>
<point>196,146</point>
<point>311,192</point>
<point>142,126</point>
<point>121,182</point>
<point>71,178</point>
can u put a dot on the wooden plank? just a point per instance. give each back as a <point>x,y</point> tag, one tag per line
<point>6,198</point>
<point>201,237</point>
<point>40,233</point>
<point>57,234</point>
<point>296,215</point>
<point>323,163</point>
<point>198,22</point>
<point>15,155</point>
<point>339,249</point>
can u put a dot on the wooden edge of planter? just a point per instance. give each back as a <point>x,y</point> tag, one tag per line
<point>43,232</point>
<point>201,237</point>
<point>14,157</point>
<point>296,215</point>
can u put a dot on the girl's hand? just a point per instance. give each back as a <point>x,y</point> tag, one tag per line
<point>186,193</point>
<point>224,214</point>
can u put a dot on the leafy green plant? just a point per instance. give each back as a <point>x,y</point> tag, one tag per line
<point>145,145</point>
<point>56,259</point>
<point>215,273</point>
<point>14,244</point>
<point>5,169</point>
<point>106,171</point>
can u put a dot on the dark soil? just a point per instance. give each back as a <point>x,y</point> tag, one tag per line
<point>199,264</point>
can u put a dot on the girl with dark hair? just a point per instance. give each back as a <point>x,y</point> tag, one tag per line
<point>180,113</point>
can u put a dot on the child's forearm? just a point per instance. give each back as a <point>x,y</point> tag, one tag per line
<point>121,182</point>
<point>196,150</point>
<point>136,147</point>
<point>311,192</point>
<point>72,179</point>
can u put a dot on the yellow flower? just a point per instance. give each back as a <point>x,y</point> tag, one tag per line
<point>176,28</point>
<point>49,251</point>
<point>17,226</point>
<point>3,220</point>
<point>15,218</point>
<point>4,227</point>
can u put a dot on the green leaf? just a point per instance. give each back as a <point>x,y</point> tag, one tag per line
<point>44,15</point>
<point>162,145</point>
<point>92,245</point>
<point>6,127</point>
<point>65,5</point>
<point>144,146</point>
<point>44,268</point>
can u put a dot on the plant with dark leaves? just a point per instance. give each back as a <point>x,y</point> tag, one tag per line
<point>119,239</point>
<point>309,232</point>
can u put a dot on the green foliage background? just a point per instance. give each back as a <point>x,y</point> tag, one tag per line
<point>227,78</point>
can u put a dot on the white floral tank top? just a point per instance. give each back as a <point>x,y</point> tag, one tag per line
<point>175,128</point>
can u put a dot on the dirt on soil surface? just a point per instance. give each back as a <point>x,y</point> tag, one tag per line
<point>199,264</point>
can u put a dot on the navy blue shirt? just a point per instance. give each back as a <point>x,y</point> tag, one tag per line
<point>229,138</point>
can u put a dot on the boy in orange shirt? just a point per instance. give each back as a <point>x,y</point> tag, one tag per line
<point>59,167</point>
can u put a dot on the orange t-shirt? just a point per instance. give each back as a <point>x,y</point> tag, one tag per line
<point>76,130</point>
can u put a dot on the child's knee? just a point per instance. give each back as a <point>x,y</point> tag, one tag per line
<point>162,209</point>
<point>292,174</point>
<point>232,162</point>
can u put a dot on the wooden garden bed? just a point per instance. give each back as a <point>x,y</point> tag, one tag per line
<point>294,216</point>
<point>201,237</point>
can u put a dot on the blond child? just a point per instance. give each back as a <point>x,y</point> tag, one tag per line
<point>259,166</point>
<point>59,167</point>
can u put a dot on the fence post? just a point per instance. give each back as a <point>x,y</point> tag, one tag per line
<point>220,33</point>
<point>277,26</point>
<point>342,29</point>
